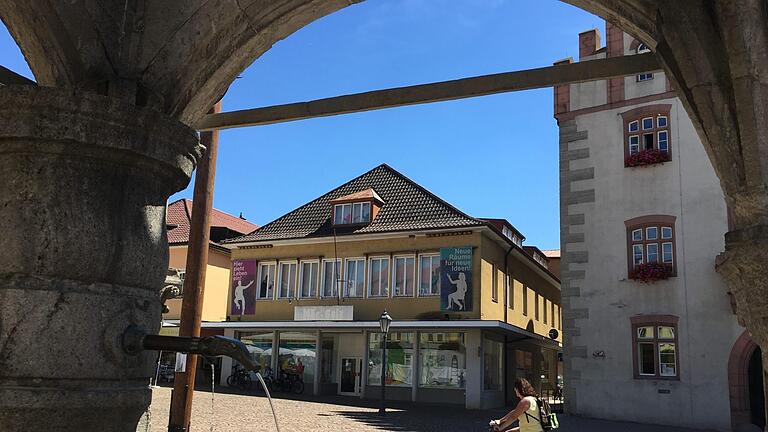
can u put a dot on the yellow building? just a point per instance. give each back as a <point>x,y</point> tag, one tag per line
<point>217,277</point>
<point>472,309</point>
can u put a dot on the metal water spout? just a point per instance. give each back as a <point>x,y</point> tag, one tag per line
<point>135,340</point>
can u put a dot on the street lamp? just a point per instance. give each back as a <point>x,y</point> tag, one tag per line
<point>384,321</point>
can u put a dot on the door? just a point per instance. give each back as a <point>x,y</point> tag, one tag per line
<point>350,376</point>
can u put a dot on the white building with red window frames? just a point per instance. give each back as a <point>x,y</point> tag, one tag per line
<point>649,331</point>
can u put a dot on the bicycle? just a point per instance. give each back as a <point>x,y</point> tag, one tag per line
<point>240,378</point>
<point>289,382</point>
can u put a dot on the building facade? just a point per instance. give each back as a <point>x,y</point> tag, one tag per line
<point>472,309</point>
<point>223,226</point>
<point>649,329</point>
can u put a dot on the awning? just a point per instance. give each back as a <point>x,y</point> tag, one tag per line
<point>497,326</point>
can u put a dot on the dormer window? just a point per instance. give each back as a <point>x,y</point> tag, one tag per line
<point>358,208</point>
<point>352,213</point>
<point>508,233</point>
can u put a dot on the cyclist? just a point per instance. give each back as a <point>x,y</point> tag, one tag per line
<point>527,411</point>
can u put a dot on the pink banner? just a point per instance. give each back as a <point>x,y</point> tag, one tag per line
<point>243,287</point>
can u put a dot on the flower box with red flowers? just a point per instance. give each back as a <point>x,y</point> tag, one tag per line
<point>646,157</point>
<point>650,272</point>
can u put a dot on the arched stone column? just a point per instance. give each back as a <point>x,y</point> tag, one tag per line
<point>85,182</point>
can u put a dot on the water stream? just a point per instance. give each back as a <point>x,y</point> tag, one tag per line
<point>269,397</point>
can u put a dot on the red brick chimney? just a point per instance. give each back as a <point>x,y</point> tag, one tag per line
<point>589,42</point>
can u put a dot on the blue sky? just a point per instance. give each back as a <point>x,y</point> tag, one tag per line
<point>494,156</point>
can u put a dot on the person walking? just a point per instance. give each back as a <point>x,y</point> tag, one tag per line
<point>527,411</point>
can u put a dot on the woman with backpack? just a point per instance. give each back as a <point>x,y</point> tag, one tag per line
<point>527,411</point>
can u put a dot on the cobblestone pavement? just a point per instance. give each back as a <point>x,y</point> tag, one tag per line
<point>250,413</point>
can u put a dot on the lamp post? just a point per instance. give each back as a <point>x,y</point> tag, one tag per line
<point>384,321</point>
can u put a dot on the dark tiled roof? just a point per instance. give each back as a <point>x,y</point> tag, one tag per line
<point>407,206</point>
<point>179,215</point>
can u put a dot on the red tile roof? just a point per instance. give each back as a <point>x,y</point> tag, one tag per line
<point>551,253</point>
<point>179,213</point>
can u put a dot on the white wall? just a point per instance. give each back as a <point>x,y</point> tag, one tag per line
<point>686,188</point>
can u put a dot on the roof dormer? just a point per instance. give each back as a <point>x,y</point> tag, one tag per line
<point>359,208</point>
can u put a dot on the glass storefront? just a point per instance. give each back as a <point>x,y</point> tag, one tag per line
<point>328,360</point>
<point>399,359</point>
<point>259,345</point>
<point>298,353</point>
<point>442,360</point>
<point>524,365</point>
<point>492,364</point>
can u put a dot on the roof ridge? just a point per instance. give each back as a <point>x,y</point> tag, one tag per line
<point>394,189</point>
<point>432,194</point>
<point>235,239</point>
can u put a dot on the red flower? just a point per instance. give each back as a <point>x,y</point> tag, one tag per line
<point>646,157</point>
<point>650,272</point>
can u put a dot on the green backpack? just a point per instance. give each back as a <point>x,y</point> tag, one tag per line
<point>547,418</point>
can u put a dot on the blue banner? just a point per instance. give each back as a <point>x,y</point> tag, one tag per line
<point>456,279</point>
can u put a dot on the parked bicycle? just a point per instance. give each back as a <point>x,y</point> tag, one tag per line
<point>289,382</point>
<point>240,378</point>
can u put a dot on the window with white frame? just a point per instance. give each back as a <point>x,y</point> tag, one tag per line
<point>378,277</point>
<point>308,279</point>
<point>352,213</point>
<point>287,280</point>
<point>642,49</point>
<point>404,276</point>
<point>655,347</point>
<point>354,285</point>
<point>651,240</point>
<point>647,128</point>
<point>266,281</point>
<point>331,278</point>
<point>429,274</point>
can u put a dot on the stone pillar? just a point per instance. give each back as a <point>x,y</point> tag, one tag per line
<point>85,180</point>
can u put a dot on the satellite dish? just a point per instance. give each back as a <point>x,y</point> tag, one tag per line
<point>554,334</point>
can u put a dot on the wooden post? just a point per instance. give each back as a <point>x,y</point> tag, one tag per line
<point>194,280</point>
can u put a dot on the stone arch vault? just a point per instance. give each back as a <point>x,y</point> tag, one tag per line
<point>95,150</point>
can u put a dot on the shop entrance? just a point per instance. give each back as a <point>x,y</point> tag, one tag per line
<point>350,376</point>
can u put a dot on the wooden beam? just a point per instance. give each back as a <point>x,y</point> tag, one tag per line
<point>436,92</point>
<point>9,77</point>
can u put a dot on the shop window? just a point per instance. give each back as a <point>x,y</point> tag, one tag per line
<point>287,280</point>
<point>328,360</point>
<point>266,281</point>
<point>331,278</point>
<point>655,347</point>
<point>399,372</point>
<point>259,347</point>
<point>429,275</point>
<point>443,360</point>
<point>647,135</point>
<point>308,279</point>
<point>492,364</point>
<point>404,276</point>
<point>524,365</point>
<point>354,285</point>
<point>297,355</point>
<point>651,242</point>
<point>378,277</point>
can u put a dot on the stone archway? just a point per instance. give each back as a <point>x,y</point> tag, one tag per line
<point>105,139</point>
<point>741,379</point>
